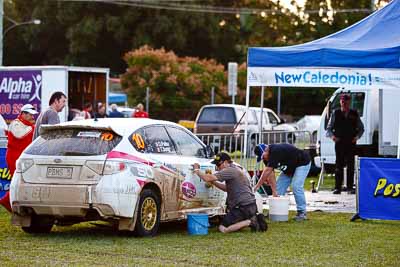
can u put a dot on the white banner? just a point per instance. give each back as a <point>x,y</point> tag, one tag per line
<point>323,77</point>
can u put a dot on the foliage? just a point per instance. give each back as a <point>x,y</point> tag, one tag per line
<point>91,33</point>
<point>326,239</point>
<point>176,83</point>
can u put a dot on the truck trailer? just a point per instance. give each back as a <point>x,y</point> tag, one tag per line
<point>35,84</point>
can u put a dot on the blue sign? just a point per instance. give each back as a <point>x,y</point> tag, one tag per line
<point>379,189</point>
<point>5,177</point>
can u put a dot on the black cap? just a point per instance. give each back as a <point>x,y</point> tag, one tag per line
<point>220,157</point>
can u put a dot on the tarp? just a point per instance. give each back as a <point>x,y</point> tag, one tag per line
<point>373,42</point>
<point>379,189</point>
<point>117,98</point>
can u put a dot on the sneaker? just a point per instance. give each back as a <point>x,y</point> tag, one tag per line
<point>301,216</point>
<point>261,222</point>
<point>255,227</point>
<point>337,192</point>
<point>351,191</point>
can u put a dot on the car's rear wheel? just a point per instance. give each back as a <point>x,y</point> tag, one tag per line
<point>148,214</point>
<point>39,224</point>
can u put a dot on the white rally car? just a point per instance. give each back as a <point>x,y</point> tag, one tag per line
<point>132,172</point>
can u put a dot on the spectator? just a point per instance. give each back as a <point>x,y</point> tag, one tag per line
<point>140,113</point>
<point>50,116</point>
<point>101,111</point>
<point>19,136</point>
<point>115,113</point>
<point>87,111</point>
<point>242,208</point>
<point>294,165</point>
<point>345,127</point>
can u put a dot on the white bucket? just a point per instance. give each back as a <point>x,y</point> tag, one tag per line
<point>279,209</point>
<point>259,202</point>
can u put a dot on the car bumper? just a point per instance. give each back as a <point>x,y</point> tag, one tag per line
<point>63,200</point>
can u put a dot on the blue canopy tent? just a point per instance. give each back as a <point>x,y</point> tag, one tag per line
<point>117,98</point>
<point>364,54</point>
<point>373,42</point>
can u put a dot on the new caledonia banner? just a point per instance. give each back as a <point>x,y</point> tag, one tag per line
<point>379,188</point>
<point>323,77</point>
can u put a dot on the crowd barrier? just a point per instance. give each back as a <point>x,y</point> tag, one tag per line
<point>233,143</point>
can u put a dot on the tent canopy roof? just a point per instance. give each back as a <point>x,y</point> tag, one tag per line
<point>373,42</point>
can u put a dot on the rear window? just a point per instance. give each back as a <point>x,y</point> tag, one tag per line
<point>74,142</point>
<point>217,115</point>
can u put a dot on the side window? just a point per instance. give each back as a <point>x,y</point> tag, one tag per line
<point>153,139</point>
<point>186,144</point>
<point>357,102</point>
<point>272,118</point>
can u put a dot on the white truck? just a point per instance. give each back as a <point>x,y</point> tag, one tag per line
<point>35,84</point>
<point>379,111</point>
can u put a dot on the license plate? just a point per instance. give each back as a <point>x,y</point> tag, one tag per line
<point>59,172</point>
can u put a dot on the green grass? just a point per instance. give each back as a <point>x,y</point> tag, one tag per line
<point>326,239</point>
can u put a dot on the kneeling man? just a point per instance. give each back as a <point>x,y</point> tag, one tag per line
<point>242,208</point>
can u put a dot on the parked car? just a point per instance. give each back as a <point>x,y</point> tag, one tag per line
<point>309,123</point>
<point>132,172</point>
<point>230,119</point>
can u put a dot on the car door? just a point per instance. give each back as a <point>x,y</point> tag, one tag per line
<point>195,192</point>
<point>161,153</point>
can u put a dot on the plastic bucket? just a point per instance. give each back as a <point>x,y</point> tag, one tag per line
<point>279,209</point>
<point>197,223</point>
<point>259,202</point>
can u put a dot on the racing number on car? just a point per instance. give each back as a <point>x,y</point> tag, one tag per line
<point>107,136</point>
<point>137,138</point>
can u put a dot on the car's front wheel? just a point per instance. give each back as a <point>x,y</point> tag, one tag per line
<point>39,224</point>
<point>148,214</point>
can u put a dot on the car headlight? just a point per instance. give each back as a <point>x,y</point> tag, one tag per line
<point>24,164</point>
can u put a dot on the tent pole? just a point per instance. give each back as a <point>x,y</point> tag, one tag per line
<point>261,115</point>
<point>246,121</point>
<point>279,101</point>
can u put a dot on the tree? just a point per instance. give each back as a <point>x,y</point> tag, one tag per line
<point>179,85</point>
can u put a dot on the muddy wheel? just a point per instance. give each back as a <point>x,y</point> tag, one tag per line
<point>39,224</point>
<point>148,214</point>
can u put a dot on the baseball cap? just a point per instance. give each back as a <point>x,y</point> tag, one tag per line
<point>29,109</point>
<point>344,97</point>
<point>259,150</point>
<point>220,157</point>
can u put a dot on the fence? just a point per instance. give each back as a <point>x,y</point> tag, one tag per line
<point>234,143</point>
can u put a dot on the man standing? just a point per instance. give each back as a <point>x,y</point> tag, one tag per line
<point>345,127</point>
<point>140,113</point>
<point>115,113</point>
<point>294,165</point>
<point>50,116</point>
<point>242,208</point>
<point>19,137</point>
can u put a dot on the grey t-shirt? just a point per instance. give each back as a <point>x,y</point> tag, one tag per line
<point>238,186</point>
<point>50,116</point>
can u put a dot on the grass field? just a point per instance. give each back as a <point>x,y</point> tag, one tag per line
<point>325,239</point>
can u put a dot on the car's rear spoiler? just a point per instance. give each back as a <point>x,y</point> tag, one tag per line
<point>47,127</point>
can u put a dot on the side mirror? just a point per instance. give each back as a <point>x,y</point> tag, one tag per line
<point>209,152</point>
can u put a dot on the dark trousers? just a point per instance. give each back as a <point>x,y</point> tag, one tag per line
<point>345,152</point>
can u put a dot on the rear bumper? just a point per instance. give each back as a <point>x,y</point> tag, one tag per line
<point>58,200</point>
<point>72,200</point>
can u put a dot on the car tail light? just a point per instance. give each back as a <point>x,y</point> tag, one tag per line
<point>106,168</point>
<point>24,164</point>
